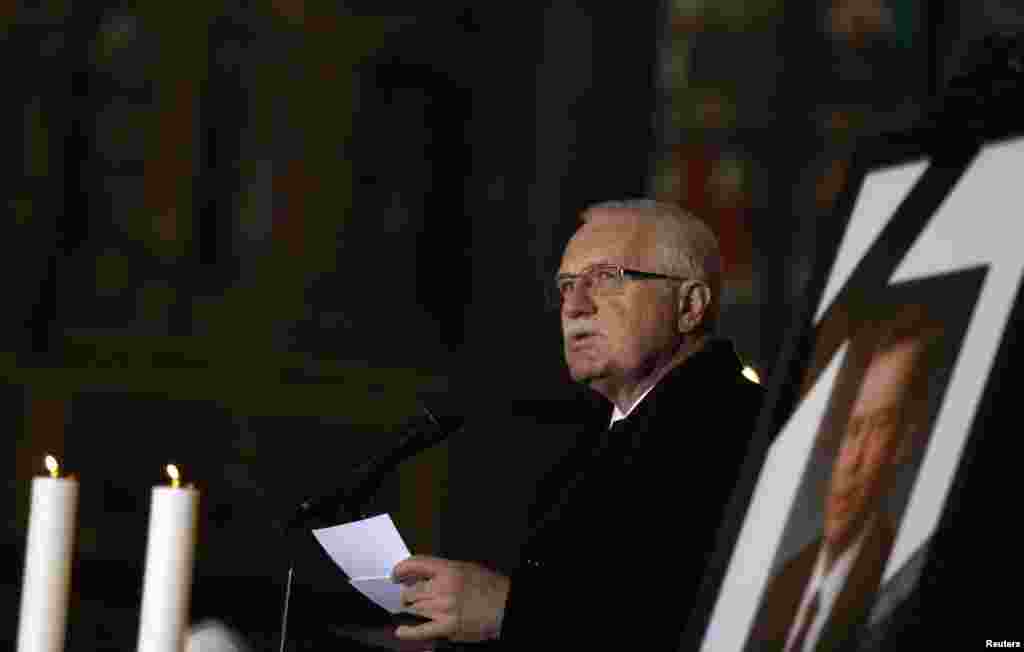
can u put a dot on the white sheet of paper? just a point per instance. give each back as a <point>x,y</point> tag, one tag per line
<point>381,590</point>
<point>367,551</point>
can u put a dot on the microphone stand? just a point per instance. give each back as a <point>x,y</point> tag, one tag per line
<point>288,531</point>
<point>352,501</point>
<point>287,600</point>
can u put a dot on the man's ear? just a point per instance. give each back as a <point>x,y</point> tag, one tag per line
<point>694,303</point>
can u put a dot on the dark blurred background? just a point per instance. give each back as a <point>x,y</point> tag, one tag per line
<point>251,238</point>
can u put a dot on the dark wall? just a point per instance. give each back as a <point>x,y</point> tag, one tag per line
<point>267,245</point>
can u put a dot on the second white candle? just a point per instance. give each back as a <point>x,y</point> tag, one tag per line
<point>167,586</point>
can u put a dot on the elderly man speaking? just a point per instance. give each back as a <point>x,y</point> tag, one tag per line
<point>619,544</point>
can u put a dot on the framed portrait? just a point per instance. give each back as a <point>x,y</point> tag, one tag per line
<point>874,494</point>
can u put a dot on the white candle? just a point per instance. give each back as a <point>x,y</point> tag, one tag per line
<point>167,585</point>
<point>44,587</point>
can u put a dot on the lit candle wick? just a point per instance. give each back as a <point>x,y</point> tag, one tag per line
<point>51,465</point>
<point>172,471</point>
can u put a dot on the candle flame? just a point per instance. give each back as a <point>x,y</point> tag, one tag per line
<point>51,465</point>
<point>175,476</point>
<point>751,374</point>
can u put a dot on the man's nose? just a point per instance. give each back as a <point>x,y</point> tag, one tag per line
<point>578,302</point>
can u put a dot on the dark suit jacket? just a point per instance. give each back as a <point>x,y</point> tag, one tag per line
<point>623,526</point>
<point>782,599</point>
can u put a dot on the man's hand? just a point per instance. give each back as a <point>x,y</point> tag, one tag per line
<point>464,601</point>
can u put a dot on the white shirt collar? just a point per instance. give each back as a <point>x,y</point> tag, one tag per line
<point>829,584</point>
<point>618,415</point>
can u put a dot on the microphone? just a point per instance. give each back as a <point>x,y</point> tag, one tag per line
<point>418,435</point>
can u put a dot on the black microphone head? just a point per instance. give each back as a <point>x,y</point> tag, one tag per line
<point>441,414</point>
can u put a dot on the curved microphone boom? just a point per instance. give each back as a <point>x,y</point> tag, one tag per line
<point>365,479</point>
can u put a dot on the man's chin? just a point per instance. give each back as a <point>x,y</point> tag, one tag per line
<point>580,370</point>
<point>583,367</point>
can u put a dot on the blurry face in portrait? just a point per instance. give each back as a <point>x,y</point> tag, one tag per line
<point>876,441</point>
<point>612,340</point>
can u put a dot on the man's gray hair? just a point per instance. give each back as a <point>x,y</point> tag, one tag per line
<point>686,245</point>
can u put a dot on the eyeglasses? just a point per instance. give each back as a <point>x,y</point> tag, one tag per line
<point>598,280</point>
